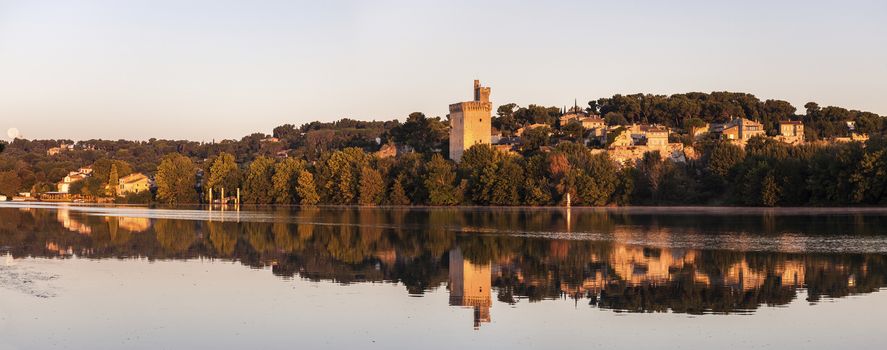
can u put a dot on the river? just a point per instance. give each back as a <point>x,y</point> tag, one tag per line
<point>77,276</point>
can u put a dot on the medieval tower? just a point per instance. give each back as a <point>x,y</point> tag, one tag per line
<point>470,122</point>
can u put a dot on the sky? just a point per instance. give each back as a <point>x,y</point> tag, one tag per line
<point>217,69</point>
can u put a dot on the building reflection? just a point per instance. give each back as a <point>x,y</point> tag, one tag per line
<point>470,285</point>
<point>636,268</point>
<point>64,217</point>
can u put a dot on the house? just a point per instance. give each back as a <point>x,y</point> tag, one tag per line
<point>133,183</point>
<point>854,137</point>
<point>593,123</point>
<point>574,113</point>
<point>791,132</point>
<point>654,136</point>
<point>387,150</point>
<point>739,130</point>
<point>64,186</point>
<point>630,143</point>
<point>64,147</point>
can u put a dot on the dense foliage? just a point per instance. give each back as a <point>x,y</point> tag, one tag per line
<point>335,163</point>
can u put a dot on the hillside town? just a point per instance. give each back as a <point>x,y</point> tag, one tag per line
<point>636,149</point>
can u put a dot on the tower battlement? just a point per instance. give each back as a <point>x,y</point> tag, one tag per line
<point>471,106</point>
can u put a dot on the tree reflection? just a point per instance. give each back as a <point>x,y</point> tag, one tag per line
<point>175,236</point>
<point>476,255</point>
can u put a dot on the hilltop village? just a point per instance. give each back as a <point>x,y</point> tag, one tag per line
<point>720,148</point>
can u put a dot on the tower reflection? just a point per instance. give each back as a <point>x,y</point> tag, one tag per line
<point>470,285</point>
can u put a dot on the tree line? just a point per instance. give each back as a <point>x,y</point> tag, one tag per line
<point>764,173</point>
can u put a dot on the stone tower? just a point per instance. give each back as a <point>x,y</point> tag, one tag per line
<point>470,122</point>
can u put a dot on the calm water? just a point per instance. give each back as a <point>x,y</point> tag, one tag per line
<point>105,278</point>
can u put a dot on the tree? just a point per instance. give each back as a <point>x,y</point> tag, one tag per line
<point>101,171</point>
<point>339,175</point>
<point>535,138</point>
<point>306,189</point>
<point>723,157</point>
<point>176,180</point>
<point>284,180</point>
<point>440,181</point>
<point>398,195</point>
<point>258,187</point>
<point>224,173</point>
<point>372,187</point>
<point>505,120</point>
<point>479,167</point>
<point>509,178</point>
<point>10,183</point>
<point>113,181</point>
<point>574,130</point>
<point>769,191</point>
<point>421,133</point>
<point>601,180</point>
<point>537,186</point>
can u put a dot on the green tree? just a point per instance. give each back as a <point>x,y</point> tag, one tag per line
<point>421,133</point>
<point>600,181</point>
<point>306,188</point>
<point>284,180</point>
<point>723,157</point>
<point>479,167</point>
<point>440,181</point>
<point>224,173</point>
<point>113,181</point>
<point>10,183</point>
<point>573,130</point>
<point>509,179</point>
<point>398,195</point>
<point>339,175</point>
<point>372,187</point>
<point>535,138</point>
<point>258,187</point>
<point>537,186</point>
<point>176,180</point>
<point>505,120</point>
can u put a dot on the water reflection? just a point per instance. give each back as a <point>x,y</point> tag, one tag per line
<point>621,261</point>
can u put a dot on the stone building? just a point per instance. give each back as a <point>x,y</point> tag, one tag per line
<point>470,122</point>
<point>791,132</point>
<point>133,183</point>
<point>739,130</point>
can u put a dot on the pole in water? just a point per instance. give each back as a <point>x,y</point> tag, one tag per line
<point>222,199</point>
<point>210,197</point>
<point>237,202</point>
<point>568,200</point>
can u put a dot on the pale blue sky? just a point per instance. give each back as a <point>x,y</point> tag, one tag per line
<point>222,69</point>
